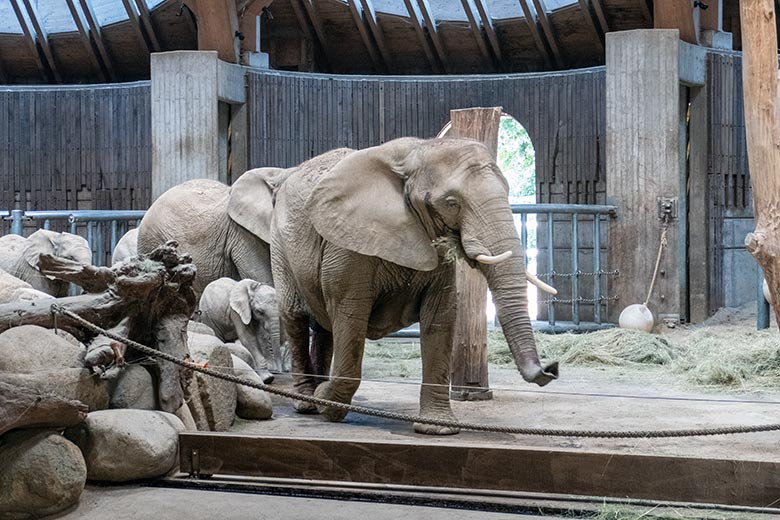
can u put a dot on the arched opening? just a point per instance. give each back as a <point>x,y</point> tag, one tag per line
<point>516,157</point>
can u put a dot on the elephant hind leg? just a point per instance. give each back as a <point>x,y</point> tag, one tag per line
<point>321,349</point>
<point>297,329</point>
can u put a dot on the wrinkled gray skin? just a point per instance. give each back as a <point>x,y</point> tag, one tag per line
<point>351,246</point>
<point>246,311</point>
<point>225,229</point>
<point>19,257</point>
<point>126,247</point>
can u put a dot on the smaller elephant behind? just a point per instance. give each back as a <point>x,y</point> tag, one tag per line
<point>126,248</point>
<point>19,257</point>
<point>246,311</point>
<point>13,289</point>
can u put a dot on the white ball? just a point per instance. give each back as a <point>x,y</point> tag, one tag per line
<point>636,317</point>
<point>767,294</point>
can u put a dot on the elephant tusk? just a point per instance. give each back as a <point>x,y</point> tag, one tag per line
<point>541,285</point>
<point>490,259</point>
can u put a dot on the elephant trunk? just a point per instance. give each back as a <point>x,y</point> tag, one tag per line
<point>507,282</point>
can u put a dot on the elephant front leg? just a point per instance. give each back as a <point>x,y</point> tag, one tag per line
<point>437,322</point>
<point>297,329</point>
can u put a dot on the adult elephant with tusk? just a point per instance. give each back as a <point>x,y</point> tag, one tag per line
<point>364,242</point>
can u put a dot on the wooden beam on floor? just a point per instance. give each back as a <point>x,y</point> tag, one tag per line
<point>146,21</point>
<point>590,20</point>
<point>97,37</point>
<point>29,37</point>
<point>475,24</point>
<point>674,14</point>
<point>369,13</point>
<point>418,22</point>
<point>433,33</point>
<point>512,468</point>
<point>83,29</point>
<point>533,25</point>
<point>549,33</point>
<point>356,8</point>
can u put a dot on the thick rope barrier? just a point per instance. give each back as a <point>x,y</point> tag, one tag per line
<point>446,423</point>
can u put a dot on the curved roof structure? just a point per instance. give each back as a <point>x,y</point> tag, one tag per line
<point>79,41</point>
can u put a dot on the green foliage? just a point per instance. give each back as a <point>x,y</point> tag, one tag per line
<point>517,159</point>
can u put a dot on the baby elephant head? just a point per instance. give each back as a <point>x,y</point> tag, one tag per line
<point>255,305</point>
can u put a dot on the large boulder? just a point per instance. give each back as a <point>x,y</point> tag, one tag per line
<point>69,383</point>
<point>124,445</point>
<point>41,473</point>
<point>242,353</point>
<point>213,401</point>
<point>29,348</point>
<point>12,289</point>
<point>131,386</point>
<point>251,403</point>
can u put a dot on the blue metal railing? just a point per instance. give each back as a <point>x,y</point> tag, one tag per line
<point>101,228</point>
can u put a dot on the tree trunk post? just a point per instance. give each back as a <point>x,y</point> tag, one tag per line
<point>759,81</point>
<point>469,381</point>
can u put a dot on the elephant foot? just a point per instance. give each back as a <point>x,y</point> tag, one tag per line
<point>325,391</point>
<point>429,429</point>
<point>266,376</point>
<point>304,407</point>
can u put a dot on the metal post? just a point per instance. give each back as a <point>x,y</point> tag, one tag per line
<point>524,235</point>
<point>100,248</point>
<point>550,264</point>
<point>597,268</point>
<point>113,235</point>
<point>90,226</point>
<point>47,224</point>
<point>763,305</point>
<point>16,222</point>
<point>575,303</point>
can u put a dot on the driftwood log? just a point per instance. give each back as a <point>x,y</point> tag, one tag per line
<point>25,408</point>
<point>149,299</point>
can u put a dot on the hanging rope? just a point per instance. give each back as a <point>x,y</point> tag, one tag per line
<point>446,423</point>
<point>661,246</point>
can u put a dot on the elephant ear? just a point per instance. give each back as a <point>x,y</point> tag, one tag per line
<point>359,205</point>
<point>251,200</point>
<point>240,296</point>
<point>42,242</point>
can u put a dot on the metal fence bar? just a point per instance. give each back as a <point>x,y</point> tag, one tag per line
<point>581,209</point>
<point>597,268</point>
<point>763,310</point>
<point>551,263</point>
<point>575,269</point>
<point>16,222</point>
<point>113,235</point>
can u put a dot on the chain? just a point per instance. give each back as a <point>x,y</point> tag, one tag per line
<point>447,423</point>
<point>600,272</point>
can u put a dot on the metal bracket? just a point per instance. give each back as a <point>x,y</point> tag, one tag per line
<point>194,464</point>
<point>667,208</point>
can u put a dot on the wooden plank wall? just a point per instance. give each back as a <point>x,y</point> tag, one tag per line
<point>81,147</point>
<point>732,269</point>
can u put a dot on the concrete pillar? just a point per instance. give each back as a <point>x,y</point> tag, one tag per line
<point>196,98</point>
<point>648,72</point>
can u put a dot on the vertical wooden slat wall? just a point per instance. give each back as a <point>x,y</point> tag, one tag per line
<point>75,147</point>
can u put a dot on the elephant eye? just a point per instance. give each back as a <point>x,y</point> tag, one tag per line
<point>452,203</point>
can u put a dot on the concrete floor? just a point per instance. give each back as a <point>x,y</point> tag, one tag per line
<point>132,502</point>
<point>666,404</point>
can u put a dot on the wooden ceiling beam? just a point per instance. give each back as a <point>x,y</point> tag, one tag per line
<point>590,19</point>
<point>83,29</point>
<point>490,31</point>
<point>433,34</point>
<point>249,12</point>
<point>97,37</point>
<point>533,25</point>
<point>307,26</point>
<point>217,22</point>
<point>146,21</point>
<point>676,14</point>
<point>475,24</point>
<point>135,23</point>
<point>419,27</point>
<point>647,11</point>
<point>362,26</point>
<point>369,13</point>
<point>30,39</point>
<point>42,38</point>
<point>601,16</point>
<point>549,33</point>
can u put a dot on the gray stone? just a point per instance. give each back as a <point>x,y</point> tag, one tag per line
<point>70,383</point>
<point>242,353</point>
<point>124,445</point>
<point>131,386</point>
<point>213,401</point>
<point>200,346</point>
<point>29,348</point>
<point>197,327</point>
<point>185,416</point>
<point>42,473</point>
<point>251,403</point>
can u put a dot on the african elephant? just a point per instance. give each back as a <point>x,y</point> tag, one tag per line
<point>126,247</point>
<point>19,257</point>
<point>225,229</point>
<point>246,311</point>
<point>363,241</point>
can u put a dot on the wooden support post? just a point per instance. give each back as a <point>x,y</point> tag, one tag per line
<point>760,87</point>
<point>469,361</point>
